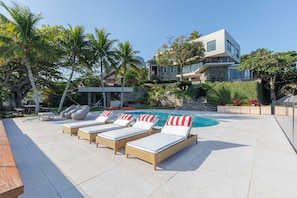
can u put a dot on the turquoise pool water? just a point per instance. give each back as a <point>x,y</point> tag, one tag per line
<point>198,121</point>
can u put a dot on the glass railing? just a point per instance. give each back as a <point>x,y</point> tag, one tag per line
<point>192,68</point>
<point>285,114</point>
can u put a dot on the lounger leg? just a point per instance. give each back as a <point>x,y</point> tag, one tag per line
<point>97,145</point>
<point>154,166</point>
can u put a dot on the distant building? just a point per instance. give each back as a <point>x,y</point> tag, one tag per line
<point>112,89</point>
<point>222,57</point>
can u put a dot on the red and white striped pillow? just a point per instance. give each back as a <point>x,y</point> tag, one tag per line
<point>179,121</point>
<point>146,118</point>
<point>106,113</point>
<point>125,116</point>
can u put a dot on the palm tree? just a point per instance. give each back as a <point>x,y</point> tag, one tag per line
<point>22,40</point>
<point>75,50</point>
<point>103,54</point>
<point>126,57</point>
<point>194,35</point>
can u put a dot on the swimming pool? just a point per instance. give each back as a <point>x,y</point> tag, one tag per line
<point>198,121</point>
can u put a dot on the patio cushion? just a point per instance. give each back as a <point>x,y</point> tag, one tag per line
<point>146,118</point>
<point>120,134</point>
<point>103,117</point>
<point>106,113</point>
<point>156,143</point>
<point>146,121</point>
<point>143,125</point>
<point>100,128</point>
<point>179,121</point>
<point>178,125</point>
<point>82,124</point>
<point>123,122</point>
<point>125,116</point>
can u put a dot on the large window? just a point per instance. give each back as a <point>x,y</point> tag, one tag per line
<point>211,45</point>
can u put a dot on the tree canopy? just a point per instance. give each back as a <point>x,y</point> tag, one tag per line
<point>20,39</point>
<point>125,55</point>
<point>180,52</point>
<point>270,66</point>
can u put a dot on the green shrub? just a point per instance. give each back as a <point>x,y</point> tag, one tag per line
<point>227,92</point>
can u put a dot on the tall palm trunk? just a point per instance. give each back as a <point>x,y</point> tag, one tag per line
<point>32,81</point>
<point>102,85</point>
<point>66,89</point>
<point>122,92</point>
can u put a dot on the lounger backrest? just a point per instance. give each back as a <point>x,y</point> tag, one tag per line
<point>146,121</point>
<point>178,125</point>
<point>104,116</point>
<point>124,119</point>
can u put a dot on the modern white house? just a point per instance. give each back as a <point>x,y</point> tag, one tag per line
<point>221,59</point>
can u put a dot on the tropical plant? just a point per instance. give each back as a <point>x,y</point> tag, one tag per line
<point>126,57</point>
<point>180,52</point>
<point>194,35</point>
<point>269,66</point>
<point>22,40</point>
<point>76,50</point>
<point>15,80</point>
<point>104,55</point>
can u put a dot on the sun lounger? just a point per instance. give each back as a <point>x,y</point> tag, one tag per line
<point>116,139</point>
<point>91,132</point>
<point>73,127</point>
<point>174,136</point>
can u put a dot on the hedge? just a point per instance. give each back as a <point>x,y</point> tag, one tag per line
<point>226,92</point>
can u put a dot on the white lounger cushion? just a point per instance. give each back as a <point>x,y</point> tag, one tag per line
<point>100,128</point>
<point>122,122</point>
<point>120,134</point>
<point>82,124</point>
<point>144,125</point>
<point>156,142</point>
<point>182,131</point>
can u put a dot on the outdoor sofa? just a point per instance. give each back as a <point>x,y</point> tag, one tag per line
<point>68,111</point>
<point>81,112</point>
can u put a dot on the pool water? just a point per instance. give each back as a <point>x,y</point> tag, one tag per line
<point>198,121</point>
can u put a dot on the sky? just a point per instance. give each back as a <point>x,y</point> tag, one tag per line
<point>147,24</point>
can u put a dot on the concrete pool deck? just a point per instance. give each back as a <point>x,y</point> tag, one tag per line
<point>244,156</point>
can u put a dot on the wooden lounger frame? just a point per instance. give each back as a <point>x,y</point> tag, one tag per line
<point>75,129</point>
<point>89,136</point>
<point>115,145</point>
<point>155,158</point>
<point>70,130</point>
